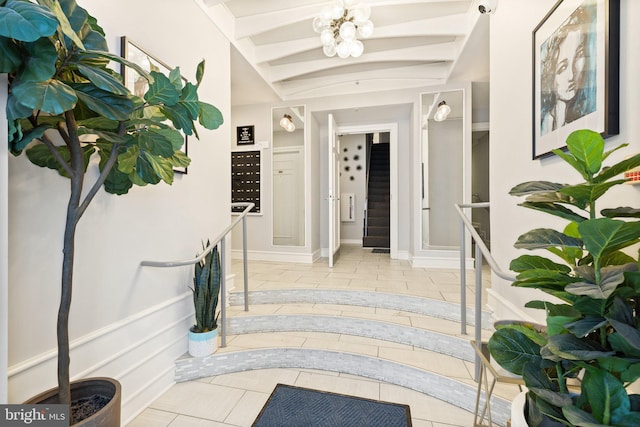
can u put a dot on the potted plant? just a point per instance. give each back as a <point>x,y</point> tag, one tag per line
<point>578,368</point>
<point>67,107</point>
<point>203,336</point>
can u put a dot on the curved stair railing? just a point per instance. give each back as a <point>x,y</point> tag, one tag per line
<point>481,251</point>
<point>220,239</point>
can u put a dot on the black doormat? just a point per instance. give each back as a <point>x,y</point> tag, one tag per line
<point>290,406</point>
<point>380,250</point>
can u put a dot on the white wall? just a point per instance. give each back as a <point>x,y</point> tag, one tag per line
<point>127,322</point>
<point>351,232</point>
<point>4,242</point>
<point>511,163</point>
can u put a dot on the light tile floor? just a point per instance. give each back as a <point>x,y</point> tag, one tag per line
<point>236,399</point>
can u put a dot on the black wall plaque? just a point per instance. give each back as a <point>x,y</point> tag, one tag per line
<point>245,135</point>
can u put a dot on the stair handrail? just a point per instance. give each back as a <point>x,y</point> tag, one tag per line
<point>481,250</point>
<point>220,239</point>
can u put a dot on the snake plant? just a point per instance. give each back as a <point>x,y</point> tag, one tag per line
<point>206,291</point>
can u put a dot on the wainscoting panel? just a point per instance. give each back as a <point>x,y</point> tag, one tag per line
<point>139,351</point>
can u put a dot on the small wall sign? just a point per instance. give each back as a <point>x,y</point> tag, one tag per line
<point>245,135</point>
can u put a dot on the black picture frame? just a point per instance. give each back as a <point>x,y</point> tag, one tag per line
<point>133,52</point>
<point>245,135</point>
<point>576,72</point>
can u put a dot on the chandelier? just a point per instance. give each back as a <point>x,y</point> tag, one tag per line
<point>340,25</point>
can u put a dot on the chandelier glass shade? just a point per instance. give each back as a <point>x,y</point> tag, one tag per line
<point>340,25</point>
<point>287,124</point>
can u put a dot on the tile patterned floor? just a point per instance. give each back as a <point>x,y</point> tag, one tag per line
<point>235,399</point>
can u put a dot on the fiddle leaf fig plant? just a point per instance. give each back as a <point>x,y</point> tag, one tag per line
<point>577,369</point>
<point>69,111</point>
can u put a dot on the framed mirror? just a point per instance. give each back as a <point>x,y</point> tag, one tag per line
<point>442,161</point>
<point>288,175</point>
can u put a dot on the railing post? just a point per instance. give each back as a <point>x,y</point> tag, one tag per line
<point>245,262</point>
<point>478,321</point>
<point>463,282</point>
<point>223,295</point>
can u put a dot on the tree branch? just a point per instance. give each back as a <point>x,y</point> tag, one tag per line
<point>53,149</point>
<point>103,174</point>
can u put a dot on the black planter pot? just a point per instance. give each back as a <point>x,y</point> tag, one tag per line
<point>108,416</point>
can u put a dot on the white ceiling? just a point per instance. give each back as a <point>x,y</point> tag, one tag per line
<point>277,56</point>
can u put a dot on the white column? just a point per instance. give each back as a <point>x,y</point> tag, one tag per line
<point>4,240</point>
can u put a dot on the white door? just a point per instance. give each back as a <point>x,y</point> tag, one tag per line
<point>334,192</point>
<point>288,198</point>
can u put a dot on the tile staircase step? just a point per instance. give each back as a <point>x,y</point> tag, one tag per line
<point>453,391</point>
<point>379,300</point>
<point>378,221</point>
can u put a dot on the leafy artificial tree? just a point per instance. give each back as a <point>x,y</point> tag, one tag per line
<point>67,106</point>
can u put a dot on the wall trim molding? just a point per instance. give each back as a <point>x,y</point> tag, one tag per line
<point>296,257</point>
<point>48,355</point>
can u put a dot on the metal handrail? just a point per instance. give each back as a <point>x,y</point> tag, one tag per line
<point>220,239</point>
<point>481,249</point>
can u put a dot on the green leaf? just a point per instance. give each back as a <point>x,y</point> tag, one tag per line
<point>155,143</point>
<point>15,110</point>
<point>575,163</point>
<point>127,161</point>
<point>26,21</point>
<point>199,73</point>
<point>568,346</point>
<point>513,350</point>
<point>615,170</point>
<point>145,172</point>
<point>585,194</point>
<point>96,124</point>
<point>529,262</point>
<point>583,327</point>
<point>604,235</point>
<point>605,395</point>
<point>103,79</point>
<point>179,116</point>
<point>161,90</point>
<point>558,315</point>
<point>533,187</point>
<point>542,238</point>
<point>180,160</point>
<point>631,373</point>
<point>587,147</point>
<point>162,167</point>
<point>51,96</point>
<point>11,58</point>
<point>176,138</point>
<point>40,155</point>
<point>554,209</point>
<point>609,281</point>
<point>40,61</point>
<point>578,417</point>
<point>114,107</point>
<point>210,117</point>
<point>27,137</point>
<point>630,333</point>
<point>189,101</point>
<point>622,212</point>
<point>64,22</point>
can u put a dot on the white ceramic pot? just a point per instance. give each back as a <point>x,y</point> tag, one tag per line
<point>203,343</point>
<point>517,410</point>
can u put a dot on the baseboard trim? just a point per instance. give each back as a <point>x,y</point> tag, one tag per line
<point>295,257</point>
<point>441,262</point>
<point>504,309</point>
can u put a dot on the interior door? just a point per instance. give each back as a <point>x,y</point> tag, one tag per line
<point>334,192</point>
<point>288,212</point>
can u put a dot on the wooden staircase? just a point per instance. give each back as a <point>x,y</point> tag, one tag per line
<point>377,234</point>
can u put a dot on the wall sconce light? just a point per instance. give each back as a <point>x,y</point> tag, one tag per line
<point>442,112</point>
<point>287,124</point>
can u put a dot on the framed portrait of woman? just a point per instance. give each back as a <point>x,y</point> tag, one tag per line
<point>576,61</point>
